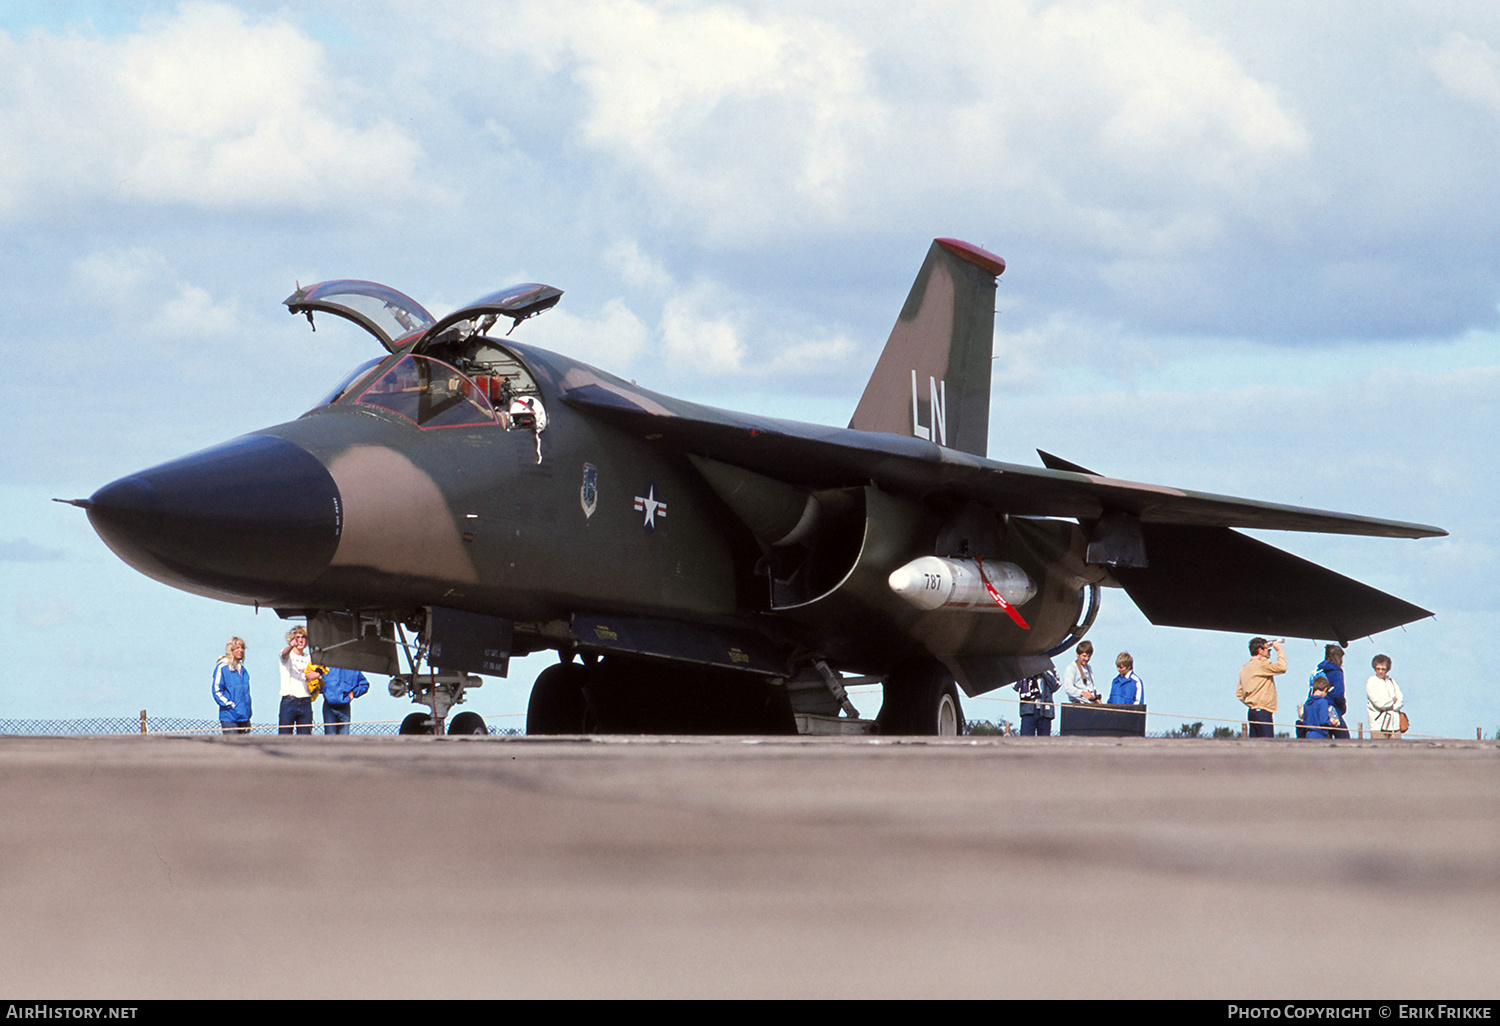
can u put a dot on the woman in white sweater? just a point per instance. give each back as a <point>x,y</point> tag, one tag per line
<point>1383,700</point>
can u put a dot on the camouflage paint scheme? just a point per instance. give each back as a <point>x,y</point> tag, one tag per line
<point>637,523</point>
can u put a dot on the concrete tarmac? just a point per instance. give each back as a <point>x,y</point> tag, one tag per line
<point>730,867</point>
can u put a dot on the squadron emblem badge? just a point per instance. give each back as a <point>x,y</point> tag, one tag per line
<point>588,494</point>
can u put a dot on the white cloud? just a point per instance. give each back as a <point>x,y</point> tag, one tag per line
<point>204,107</point>
<point>1166,92</point>
<point>703,99</point>
<point>119,277</point>
<point>1098,125</point>
<point>809,356</point>
<point>1469,69</point>
<point>143,292</point>
<point>612,340</point>
<point>779,117</point>
<point>709,343</point>
<point>192,313</point>
<point>637,268</point>
<point>1024,357</point>
<point>705,329</point>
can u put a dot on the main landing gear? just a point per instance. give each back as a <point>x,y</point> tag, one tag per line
<point>921,698</point>
<point>631,696</point>
<point>557,704</point>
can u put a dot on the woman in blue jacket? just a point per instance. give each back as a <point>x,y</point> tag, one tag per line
<point>232,688</point>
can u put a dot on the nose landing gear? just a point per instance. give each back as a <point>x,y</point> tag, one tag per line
<point>438,691</point>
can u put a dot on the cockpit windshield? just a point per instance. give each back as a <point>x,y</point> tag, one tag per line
<point>337,392</point>
<point>442,373</point>
<point>430,394</point>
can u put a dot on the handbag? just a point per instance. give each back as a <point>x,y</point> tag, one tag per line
<point>1404,722</point>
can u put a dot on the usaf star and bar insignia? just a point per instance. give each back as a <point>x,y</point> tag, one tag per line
<point>650,507</point>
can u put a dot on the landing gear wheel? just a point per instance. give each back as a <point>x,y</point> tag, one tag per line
<point>921,699</point>
<point>950,717</point>
<point>417,723</point>
<point>468,723</point>
<point>557,703</point>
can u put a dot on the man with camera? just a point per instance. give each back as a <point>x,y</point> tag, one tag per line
<point>1257,687</point>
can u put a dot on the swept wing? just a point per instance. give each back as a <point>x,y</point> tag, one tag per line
<point>815,456</point>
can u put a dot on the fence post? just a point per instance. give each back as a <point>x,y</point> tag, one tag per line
<point>143,721</point>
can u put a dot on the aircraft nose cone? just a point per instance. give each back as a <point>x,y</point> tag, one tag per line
<point>248,518</point>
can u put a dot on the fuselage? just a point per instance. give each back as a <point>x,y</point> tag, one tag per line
<point>354,506</point>
<point>464,479</point>
<point>411,489</point>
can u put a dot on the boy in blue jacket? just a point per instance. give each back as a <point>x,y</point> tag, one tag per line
<point>1319,716</point>
<point>1127,688</point>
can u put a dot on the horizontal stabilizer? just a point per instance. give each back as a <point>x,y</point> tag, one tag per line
<point>1213,578</point>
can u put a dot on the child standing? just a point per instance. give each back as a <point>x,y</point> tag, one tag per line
<point>1126,688</point>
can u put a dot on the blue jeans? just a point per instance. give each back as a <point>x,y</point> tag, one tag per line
<point>1260,723</point>
<point>1035,725</point>
<point>294,711</point>
<point>336,717</point>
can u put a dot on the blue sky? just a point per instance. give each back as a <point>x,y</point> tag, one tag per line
<point>1252,249</point>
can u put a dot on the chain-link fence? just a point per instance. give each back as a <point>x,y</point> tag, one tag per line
<point>175,726</point>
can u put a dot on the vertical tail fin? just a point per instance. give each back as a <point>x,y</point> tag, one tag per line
<point>933,378</point>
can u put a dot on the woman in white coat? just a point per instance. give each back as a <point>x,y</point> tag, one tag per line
<point>1383,700</point>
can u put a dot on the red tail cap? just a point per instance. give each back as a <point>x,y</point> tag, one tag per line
<point>974,255</point>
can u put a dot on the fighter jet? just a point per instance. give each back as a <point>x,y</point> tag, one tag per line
<point>466,497</point>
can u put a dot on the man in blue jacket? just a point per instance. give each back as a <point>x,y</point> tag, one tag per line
<point>1037,707</point>
<point>1332,668</point>
<point>340,687</point>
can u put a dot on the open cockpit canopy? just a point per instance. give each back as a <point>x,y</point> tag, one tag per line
<point>398,320</point>
<point>517,302</point>
<point>441,373</point>
<point>392,317</point>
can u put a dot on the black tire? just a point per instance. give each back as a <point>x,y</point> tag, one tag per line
<point>467,723</point>
<point>417,723</point>
<point>557,704</point>
<point>921,700</point>
<point>950,712</point>
<point>655,696</point>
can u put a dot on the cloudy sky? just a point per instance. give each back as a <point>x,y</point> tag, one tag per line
<point>1252,249</point>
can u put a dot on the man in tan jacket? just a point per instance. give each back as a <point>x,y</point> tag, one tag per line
<point>1257,687</point>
